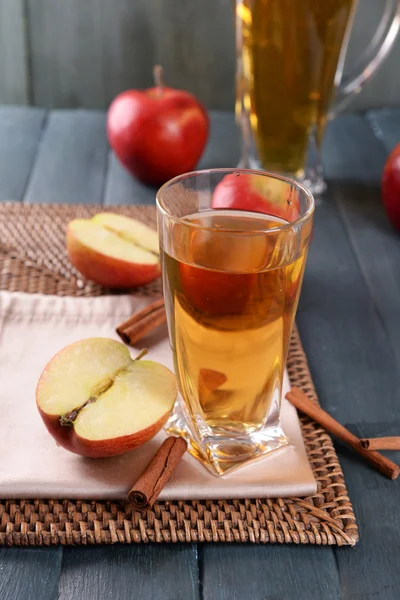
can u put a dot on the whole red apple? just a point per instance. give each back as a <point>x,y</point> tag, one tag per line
<point>391,187</point>
<point>245,191</point>
<point>157,133</point>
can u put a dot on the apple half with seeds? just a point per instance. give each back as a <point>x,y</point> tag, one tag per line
<point>97,401</point>
<point>114,250</point>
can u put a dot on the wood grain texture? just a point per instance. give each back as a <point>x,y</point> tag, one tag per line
<point>223,148</point>
<point>71,160</point>
<point>66,53</point>
<point>194,42</point>
<point>351,152</point>
<point>355,372</point>
<point>235,572</point>
<point>84,53</point>
<point>21,130</point>
<point>370,570</point>
<point>14,63</point>
<point>122,188</point>
<point>349,352</point>
<point>385,124</point>
<point>149,571</point>
<point>374,241</point>
<point>30,575</point>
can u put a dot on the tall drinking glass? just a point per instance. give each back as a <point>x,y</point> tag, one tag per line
<point>231,282</point>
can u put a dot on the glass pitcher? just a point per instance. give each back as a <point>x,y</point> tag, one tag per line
<point>289,78</point>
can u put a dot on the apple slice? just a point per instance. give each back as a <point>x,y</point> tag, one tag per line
<point>95,400</point>
<point>113,250</point>
<point>134,231</point>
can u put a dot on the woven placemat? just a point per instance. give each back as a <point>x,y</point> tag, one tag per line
<point>33,259</point>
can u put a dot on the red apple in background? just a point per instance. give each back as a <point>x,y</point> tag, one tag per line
<point>157,133</point>
<point>257,193</point>
<point>391,187</point>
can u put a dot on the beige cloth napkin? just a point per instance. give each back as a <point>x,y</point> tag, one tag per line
<point>32,329</point>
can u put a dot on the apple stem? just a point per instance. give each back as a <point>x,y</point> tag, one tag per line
<point>141,354</point>
<point>158,74</point>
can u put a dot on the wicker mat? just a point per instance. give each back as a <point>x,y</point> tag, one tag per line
<point>33,259</point>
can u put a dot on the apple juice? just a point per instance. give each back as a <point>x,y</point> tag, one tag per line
<point>231,292</point>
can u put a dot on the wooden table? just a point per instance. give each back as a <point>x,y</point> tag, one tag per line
<point>349,319</point>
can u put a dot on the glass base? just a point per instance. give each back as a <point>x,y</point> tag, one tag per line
<point>222,452</point>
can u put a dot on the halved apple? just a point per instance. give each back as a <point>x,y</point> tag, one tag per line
<point>114,250</point>
<point>97,401</point>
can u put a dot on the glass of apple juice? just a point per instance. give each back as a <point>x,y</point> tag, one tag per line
<point>233,249</point>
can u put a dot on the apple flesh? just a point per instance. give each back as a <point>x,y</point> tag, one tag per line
<point>130,229</point>
<point>114,250</point>
<point>157,133</point>
<point>391,187</point>
<point>242,191</point>
<point>95,400</point>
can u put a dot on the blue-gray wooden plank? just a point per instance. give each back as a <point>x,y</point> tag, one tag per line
<point>30,574</point>
<point>20,133</point>
<point>151,572</point>
<point>14,71</point>
<point>122,188</point>
<point>223,148</point>
<point>375,242</point>
<point>84,53</point>
<point>348,328</point>
<point>346,152</point>
<point>352,362</point>
<point>357,380</point>
<point>71,161</point>
<point>385,124</point>
<point>239,572</point>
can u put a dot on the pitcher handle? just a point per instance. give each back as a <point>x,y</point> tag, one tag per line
<point>371,59</point>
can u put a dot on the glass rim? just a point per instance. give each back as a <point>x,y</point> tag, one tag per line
<point>191,174</point>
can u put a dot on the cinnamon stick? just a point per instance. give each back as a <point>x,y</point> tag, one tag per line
<point>305,405</point>
<point>147,488</point>
<point>381,443</point>
<point>143,322</point>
